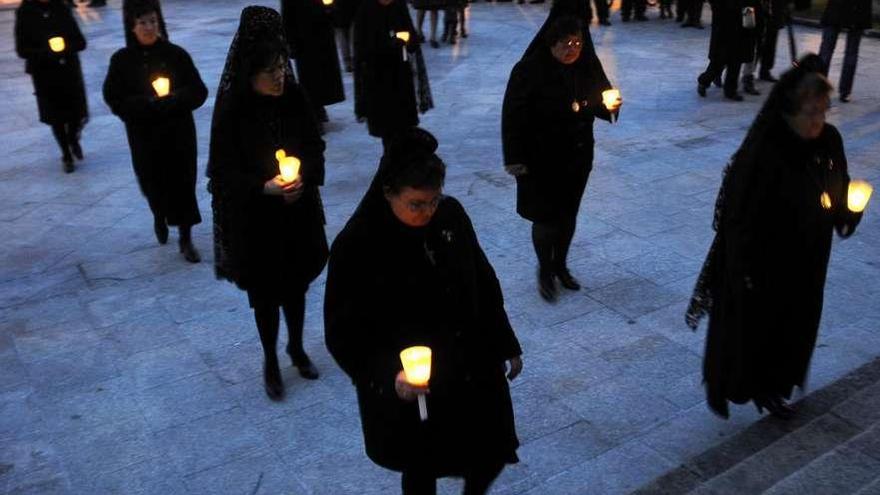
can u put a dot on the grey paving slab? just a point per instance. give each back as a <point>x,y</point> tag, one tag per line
<point>111,341</point>
<point>842,470</point>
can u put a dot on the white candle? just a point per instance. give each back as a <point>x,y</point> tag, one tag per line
<point>57,44</point>
<point>417,368</point>
<point>162,86</point>
<point>858,195</point>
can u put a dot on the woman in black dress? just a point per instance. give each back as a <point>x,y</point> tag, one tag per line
<point>553,97</point>
<point>783,195</point>
<point>407,270</point>
<point>387,95</point>
<point>57,75</point>
<point>161,131</point>
<point>308,26</point>
<point>268,231</point>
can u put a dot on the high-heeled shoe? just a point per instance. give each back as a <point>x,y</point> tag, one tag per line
<point>300,360</point>
<point>546,286</point>
<point>272,381</point>
<point>189,251</point>
<point>776,406</point>
<point>567,280</point>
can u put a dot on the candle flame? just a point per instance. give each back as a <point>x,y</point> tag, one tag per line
<point>327,2</point>
<point>403,36</point>
<point>417,365</point>
<point>825,200</point>
<point>162,86</point>
<point>610,97</point>
<point>288,167</point>
<point>858,195</point>
<point>56,44</point>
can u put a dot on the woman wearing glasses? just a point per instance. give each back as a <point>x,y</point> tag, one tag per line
<point>552,98</point>
<point>268,229</point>
<point>408,270</point>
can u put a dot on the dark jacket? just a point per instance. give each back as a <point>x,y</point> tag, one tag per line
<point>161,131</point>
<point>769,269</point>
<point>385,84</point>
<point>309,30</point>
<point>851,14</point>
<point>261,243</point>
<point>390,286</point>
<point>57,77</point>
<point>730,42</point>
<point>543,130</point>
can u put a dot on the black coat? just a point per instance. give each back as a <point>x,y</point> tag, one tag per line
<point>848,14</point>
<point>308,25</point>
<point>266,245</point>
<point>385,294</point>
<point>542,130</point>
<point>161,131</point>
<point>776,234</point>
<point>385,92</point>
<point>57,77</point>
<point>730,42</point>
<point>344,12</point>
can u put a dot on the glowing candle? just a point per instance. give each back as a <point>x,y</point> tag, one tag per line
<point>288,166</point>
<point>825,200</point>
<point>57,44</point>
<point>610,98</point>
<point>403,36</point>
<point>858,195</point>
<point>162,86</point>
<point>417,368</point>
<point>327,3</point>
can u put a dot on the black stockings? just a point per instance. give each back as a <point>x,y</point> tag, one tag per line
<point>267,318</point>
<point>552,241</point>
<point>67,136</point>
<point>476,482</point>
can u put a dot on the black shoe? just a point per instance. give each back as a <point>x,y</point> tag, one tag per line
<point>767,76</point>
<point>303,364</point>
<point>844,98</point>
<point>717,82</point>
<point>624,19</point>
<point>777,406</point>
<point>734,97</point>
<point>641,18</point>
<point>463,33</point>
<point>567,280</point>
<point>67,163</point>
<point>434,44</point>
<point>189,251</point>
<point>161,230</point>
<point>701,90</point>
<point>272,381</point>
<point>749,86</point>
<point>546,286</point>
<point>76,149</point>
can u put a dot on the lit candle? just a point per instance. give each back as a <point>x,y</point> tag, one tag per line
<point>288,166</point>
<point>403,36</point>
<point>327,3</point>
<point>162,86</point>
<point>57,44</point>
<point>858,195</point>
<point>825,200</point>
<point>417,368</point>
<point>611,100</point>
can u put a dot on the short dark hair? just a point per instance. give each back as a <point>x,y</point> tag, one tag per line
<point>563,27</point>
<point>803,83</point>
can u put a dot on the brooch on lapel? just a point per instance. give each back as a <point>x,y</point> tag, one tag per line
<point>447,236</point>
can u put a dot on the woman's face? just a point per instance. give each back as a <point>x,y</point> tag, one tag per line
<point>568,49</point>
<point>385,3</point>
<point>146,29</point>
<point>269,81</point>
<point>810,119</point>
<point>414,207</point>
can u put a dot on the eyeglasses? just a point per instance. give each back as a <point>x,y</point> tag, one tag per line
<point>422,206</point>
<point>573,43</point>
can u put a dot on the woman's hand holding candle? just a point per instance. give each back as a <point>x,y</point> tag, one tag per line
<point>407,391</point>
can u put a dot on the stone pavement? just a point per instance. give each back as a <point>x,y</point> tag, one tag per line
<point>127,370</point>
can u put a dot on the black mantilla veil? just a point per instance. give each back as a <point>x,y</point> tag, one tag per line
<point>589,61</point>
<point>131,9</point>
<point>364,25</point>
<point>408,147</point>
<point>259,29</point>
<point>744,164</point>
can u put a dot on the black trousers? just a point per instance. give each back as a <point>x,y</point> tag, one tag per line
<point>767,49</point>
<point>731,75</point>
<point>476,482</point>
<point>602,11</point>
<point>627,7</point>
<point>689,11</point>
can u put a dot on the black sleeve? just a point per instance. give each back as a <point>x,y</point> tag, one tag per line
<point>491,298</point>
<point>845,221</point>
<point>516,129</point>
<point>600,80</point>
<point>349,323</point>
<point>312,152</point>
<point>188,91</point>
<point>288,16</point>
<point>25,45</point>
<point>362,62</point>
<point>74,38</point>
<point>127,105</point>
<point>226,158</point>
